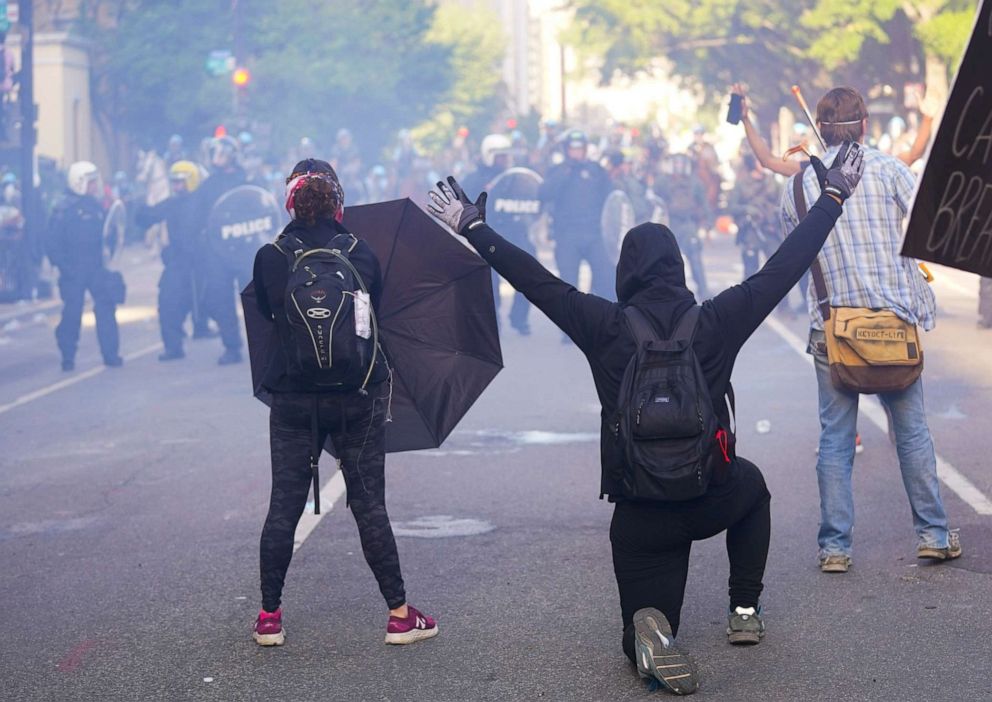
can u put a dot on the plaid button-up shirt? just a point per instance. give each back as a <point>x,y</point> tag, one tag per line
<point>860,261</point>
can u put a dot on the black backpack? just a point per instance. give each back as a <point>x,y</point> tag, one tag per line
<point>334,335</point>
<point>669,431</point>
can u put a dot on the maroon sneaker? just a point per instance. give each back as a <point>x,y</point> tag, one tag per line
<point>268,629</point>
<point>415,627</point>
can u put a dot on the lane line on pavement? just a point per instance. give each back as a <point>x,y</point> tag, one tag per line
<point>329,494</point>
<point>73,380</point>
<point>871,408</point>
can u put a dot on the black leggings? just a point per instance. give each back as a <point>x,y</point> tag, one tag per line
<point>355,425</point>
<point>651,544</point>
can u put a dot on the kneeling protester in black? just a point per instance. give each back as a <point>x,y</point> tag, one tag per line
<point>662,365</point>
<point>329,379</point>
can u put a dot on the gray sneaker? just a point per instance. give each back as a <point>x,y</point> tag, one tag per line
<point>835,563</point>
<point>657,655</point>
<point>744,626</point>
<point>952,551</point>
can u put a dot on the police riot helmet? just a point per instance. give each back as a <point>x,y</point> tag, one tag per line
<point>186,172</point>
<point>223,150</point>
<point>493,145</point>
<point>80,175</point>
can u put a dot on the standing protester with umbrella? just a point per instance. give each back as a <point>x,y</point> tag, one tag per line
<point>338,388</point>
<point>660,512</point>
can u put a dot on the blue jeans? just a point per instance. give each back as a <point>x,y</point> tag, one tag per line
<point>917,461</point>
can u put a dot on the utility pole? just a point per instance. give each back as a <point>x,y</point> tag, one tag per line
<point>29,116</point>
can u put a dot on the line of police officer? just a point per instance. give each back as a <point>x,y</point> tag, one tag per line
<point>196,280</point>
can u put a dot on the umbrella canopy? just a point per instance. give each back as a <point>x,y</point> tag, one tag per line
<point>437,322</point>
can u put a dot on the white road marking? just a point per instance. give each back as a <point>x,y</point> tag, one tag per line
<point>329,494</point>
<point>72,380</point>
<point>870,408</point>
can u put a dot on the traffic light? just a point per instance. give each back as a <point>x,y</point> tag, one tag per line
<point>241,77</point>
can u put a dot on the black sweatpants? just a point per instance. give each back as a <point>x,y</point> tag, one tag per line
<point>355,425</point>
<point>651,544</point>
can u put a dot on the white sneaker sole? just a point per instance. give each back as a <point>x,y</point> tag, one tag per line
<point>657,655</point>
<point>412,636</point>
<point>270,639</point>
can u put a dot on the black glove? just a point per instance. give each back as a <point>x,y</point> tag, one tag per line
<point>454,208</point>
<point>844,173</point>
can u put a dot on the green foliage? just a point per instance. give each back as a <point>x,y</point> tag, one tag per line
<point>713,43</point>
<point>771,44</point>
<point>374,66</point>
<point>477,50</point>
<point>367,66</point>
<point>946,35</point>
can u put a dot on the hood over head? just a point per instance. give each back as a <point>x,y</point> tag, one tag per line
<point>650,268</point>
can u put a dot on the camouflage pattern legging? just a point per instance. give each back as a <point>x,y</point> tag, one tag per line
<point>355,425</point>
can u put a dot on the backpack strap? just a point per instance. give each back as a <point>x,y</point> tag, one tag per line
<point>686,328</point>
<point>639,326</point>
<point>290,246</point>
<point>643,330</point>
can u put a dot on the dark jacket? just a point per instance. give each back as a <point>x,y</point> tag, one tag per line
<point>210,191</point>
<point>177,213</point>
<point>75,235</point>
<point>650,276</point>
<point>271,275</point>
<point>576,192</point>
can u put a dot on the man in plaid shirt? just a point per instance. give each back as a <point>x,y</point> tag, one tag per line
<point>863,268</point>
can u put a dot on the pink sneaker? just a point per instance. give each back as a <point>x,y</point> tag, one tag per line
<point>415,627</point>
<point>268,629</point>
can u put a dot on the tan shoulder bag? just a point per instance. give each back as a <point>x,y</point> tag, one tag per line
<point>868,350</point>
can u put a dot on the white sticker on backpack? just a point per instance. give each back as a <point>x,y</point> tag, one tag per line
<point>363,315</point>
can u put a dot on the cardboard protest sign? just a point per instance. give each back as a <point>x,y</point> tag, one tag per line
<point>951,219</point>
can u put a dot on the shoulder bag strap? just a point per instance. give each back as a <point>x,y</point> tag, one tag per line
<point>819,282</point>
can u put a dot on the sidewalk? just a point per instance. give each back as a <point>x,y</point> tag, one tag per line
<point>140,266</point>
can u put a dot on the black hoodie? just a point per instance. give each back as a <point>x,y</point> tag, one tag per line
<point>651,276</point>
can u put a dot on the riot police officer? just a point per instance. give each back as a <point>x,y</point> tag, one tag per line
<point>575,191</point>
<point>683,192</point>
<point>219,276</point>
<point>496,152</point>
<point>177,286</point>
<point>76,247</point>
<point>753,204</point>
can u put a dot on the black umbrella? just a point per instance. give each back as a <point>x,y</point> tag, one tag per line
<point>437,322</point>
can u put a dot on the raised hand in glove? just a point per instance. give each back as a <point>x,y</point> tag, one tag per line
<point>451,205</point>
<point>844,173</point>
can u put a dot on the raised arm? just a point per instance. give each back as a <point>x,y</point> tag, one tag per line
<point>757,143</point>
<point>577,314</point>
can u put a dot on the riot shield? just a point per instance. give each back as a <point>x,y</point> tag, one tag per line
<point>241,221</point>
<point>616,220</point>
<point>513,203</point>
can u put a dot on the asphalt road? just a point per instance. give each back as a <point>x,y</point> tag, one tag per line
<point>131,502</point>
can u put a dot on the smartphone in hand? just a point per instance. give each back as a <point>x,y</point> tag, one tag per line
<point>734,111</point>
